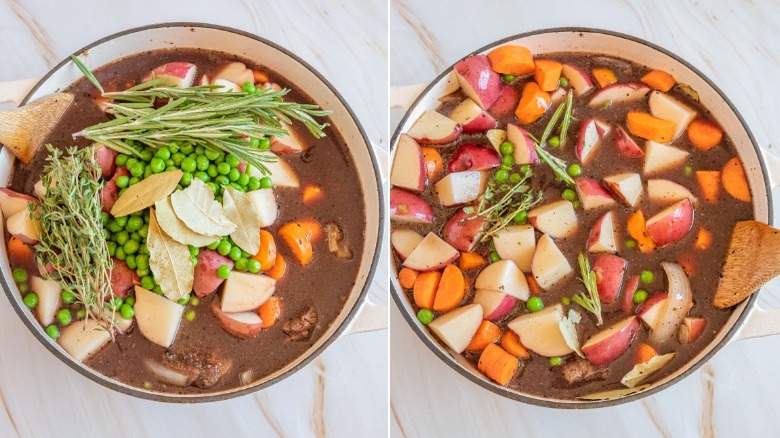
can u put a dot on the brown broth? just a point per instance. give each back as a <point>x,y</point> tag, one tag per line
<point>536,376</point>
<point>325,282</point>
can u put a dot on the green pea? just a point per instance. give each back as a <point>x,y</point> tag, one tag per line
<point>134,223</point>
<point>30,300</point>
<point>646,277</point>
<point>130,261</point>
<point>574,170</point>
<point>243,179</point>
<point>114,303</point>
<point>184,300</point>
<point>494,257</point>
<point>525,168</point>
<point>122,237</point>
<point>120,160</point>
<point>507,78</point>
<point>240,264</point>
<point>566,301</point>
<point>173,147</point>
<point>188,165</point>
<point>122,181</point>
<point>203,176</point>
<point>130,161</point>
<point>126,311</point>
<point>640,296</point>
<point>202,162</point>
<point>238,187</point>
<point>211,154</point>
<point>254,183</point>
<point>157,165</point>
<point>563,82</point>
<point>111,248</point>
<point>508,161</point>
<point>147,155</point>
<point>64,317</point>
<point>235,253</point>
<point>213,186</point>
<point>521,217</point>
<point>190,315</point>
<point>576,203</point>
<point>163,153</point>
<point>253,266</point>
<point>194,261</point>
<point>133,180</point>
<point>186,179</point>
<point>534,304</point>
<point>212,170</point>
<point>688,170</point>
<point>137,170</point>
<point>232,160</point>
<point>630,244</point>
<point>20,275</point>
<point>140,272</point>
<point>130,247</point>
<point>81,314</point>
<point>224,247</point>
<point>158,290</point>
<point>254,142</point>
<point>223,168</point>
<point>143,231</point>
<point>223,271</point>
<point>514,178</point>
<point>23,288</point>
<point>556,361</point>
<point>425,316</point>
<point>194,250</point>
<point>569,195</point>
<point>120,253</point>
<point>265,144</point>
<point>555,141</point>
<point>234,174</point>
<point>222,180</point>
<point>147,282</point>
<point>245,254</point>
<point>501,175</point>
<point>186,148</point>
<point>68,297</point>
<point>194,300</point>
<point>265,182</point>
<point>121,221</point>
<point>53,331</point>
<point>104,218</point>
<point>178,158</point>
<point>248,87</point>
<point>213,245</point>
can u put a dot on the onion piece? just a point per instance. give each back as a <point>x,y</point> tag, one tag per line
<point>168,375</point>
<point>246,377</point>
<point>678,303</point>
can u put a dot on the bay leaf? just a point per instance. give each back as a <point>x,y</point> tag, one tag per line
<point>642,371</point>
<point>175,228</point>
<point>240,210</point>
<point>169,261</point>
<point>613,394</point>
<point>198,209</point>
<point>146,192</point>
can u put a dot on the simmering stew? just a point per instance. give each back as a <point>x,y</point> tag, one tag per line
<point>192,244</point>
<point>561,221</point>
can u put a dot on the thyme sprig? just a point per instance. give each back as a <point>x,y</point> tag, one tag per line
<point>502,202</point>
<point>590,302</point>
<point>73,240</point>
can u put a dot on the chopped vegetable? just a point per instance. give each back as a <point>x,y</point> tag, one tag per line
<point>451,289</point>
<point>511,60</point>
<point>433,162</point>
<point>311,193</point>
<point>497,364</point>
<point>709,183</point>
<point>270,311</point>
<point>547,73</point>
<point>511,343</point>
<point>407,277</point>
<point>704,135</point>
<point>646,276</point>
<point>660,80</point>
<point>425,316</point>
<point>267,253</point>
<point>280,266</point>
<point>638,230</point>
<point>534,304</point>
<point>487,334</point>
<point>703,239</point>
<point>425,288</point>
<point>734,180</point>
<point>533,103</point>
<point>470,260</point>
<point>604,77</point>
<point>642,371</point>
<point>651,128</point>
<point>299,236</point>
<point>644,353</point>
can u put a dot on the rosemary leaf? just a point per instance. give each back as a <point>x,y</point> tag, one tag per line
<point>88,74</point>
<point>590,302</point>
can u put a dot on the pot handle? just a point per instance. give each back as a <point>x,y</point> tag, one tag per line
<point>14,91</point>
<point>760,322</point>
<point>402,96</point>
<point>772,163</point>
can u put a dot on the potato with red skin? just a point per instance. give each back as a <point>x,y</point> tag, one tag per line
<point>592,194</point>
<point>461,231</point>
<point>11,202</point>
<point>478,80</point>
<point>242,325</point>
<point>408,207</point>
<point>671,224</point>
<point>608,344</point>
<point>122,278</point>
<point>626,144</point>
<point>609,270</point>
<point>110,192</point>
<point>179,74</point>
<point>106,157</point>
<point>206,279</point>
<point>472,157</point>
<point>691,329</point>
<point>506,102</point>
<point>472,117</point>
<point>627,300</point>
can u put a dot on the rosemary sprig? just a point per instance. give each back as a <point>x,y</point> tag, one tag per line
<point>497,212</point>
<point>590,302</point>
<point>557,165</point>
<point>218,120</point>
<point>87,73</point>
<point>72,238</point>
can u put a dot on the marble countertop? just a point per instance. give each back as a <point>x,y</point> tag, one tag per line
<point>735,44</point>
<point>344,391</point>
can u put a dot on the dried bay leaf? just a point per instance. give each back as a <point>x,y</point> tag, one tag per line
<point>146,192</point>
<point>169,261</point>
<point>196,207</point>
<point>240,209</point>
<point>175,228</point>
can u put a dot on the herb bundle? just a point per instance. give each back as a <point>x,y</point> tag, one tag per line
<point>590,302</point>
<point>501,203</point>
<point>557,165</point>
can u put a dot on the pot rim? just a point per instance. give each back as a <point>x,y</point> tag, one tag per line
<point>401,300</point>
<point>239,391</point>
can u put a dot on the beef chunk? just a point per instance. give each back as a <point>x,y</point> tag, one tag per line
<point>203,366</point>
<point>301,327</point>
<point>581,372</point>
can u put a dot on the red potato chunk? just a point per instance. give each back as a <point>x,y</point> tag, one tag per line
<point>506,102</point>
<point>206,279</point>
<point>461,231</point>
<point>122,278</point>
<point>110,192</point>
<point>472,157</point>
<point>609,270</point>
<point>105,157</point>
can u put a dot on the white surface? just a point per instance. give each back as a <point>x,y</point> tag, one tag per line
<point>734,43</point>
<point>344,391</point>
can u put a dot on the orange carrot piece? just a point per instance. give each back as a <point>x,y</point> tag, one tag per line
<point>704,134</point>
<point>425,288</point>
<point>497,364</point>
<point>511,343</point>
<point>451,290</point>
<point>660,80</point>
<point>270,311</point>
<point>637,228</point>
<point>433,161</point>
<point>688,262</point>
<point>298,236</point>
<point>644,353</point>
<point>511,60</point>
<point>533,103</point>
<point>267,254</point>
<point>487,333</point>
<point>260,77</point>
<point>734,180</point>
<point>533,286</point>
<point>604,76</point>
<point>703,239</point>
<point>407,277</point>
<point>470,260</point>
<point>311,193</point>
<point>280,266</point>
<point>547,74</point>
<point>709,183</point>
<point>22,253</point>
<point>651,128</point>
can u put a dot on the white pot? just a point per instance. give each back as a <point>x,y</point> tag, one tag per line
<point>358,313</point>
<point>762,169</point>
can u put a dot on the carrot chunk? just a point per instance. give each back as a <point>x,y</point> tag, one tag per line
<point>270,311</point>
<point>604,76</point>
<point>688,262</point>
<point>704,135</point>
<point>487,333</point>
<point>497,364</point>
<point>644,353</point>
<point>651,128</point>
<point>425,288</point>
<point>280,266</point>
<point>660,80</point>
<point>20,252</point>
<point>533,286</point>
<point>451,290</point>
<point>298,236</point>
<point>433,162</point>
<point>511,60</point>
<point>470,260</point>
<point>703,239</point>
<point>709,183</point>
<point>637,228</point>
<point>311,193</point>
<point>547,74</point>
<point>267,254</point>
<point>734,180</point>
<point>533,103</point>
<point>511,343</point>
<point>407,277</point>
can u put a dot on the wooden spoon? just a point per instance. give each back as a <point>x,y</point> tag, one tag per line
<point>752,260</point>
<point>24,129</point>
